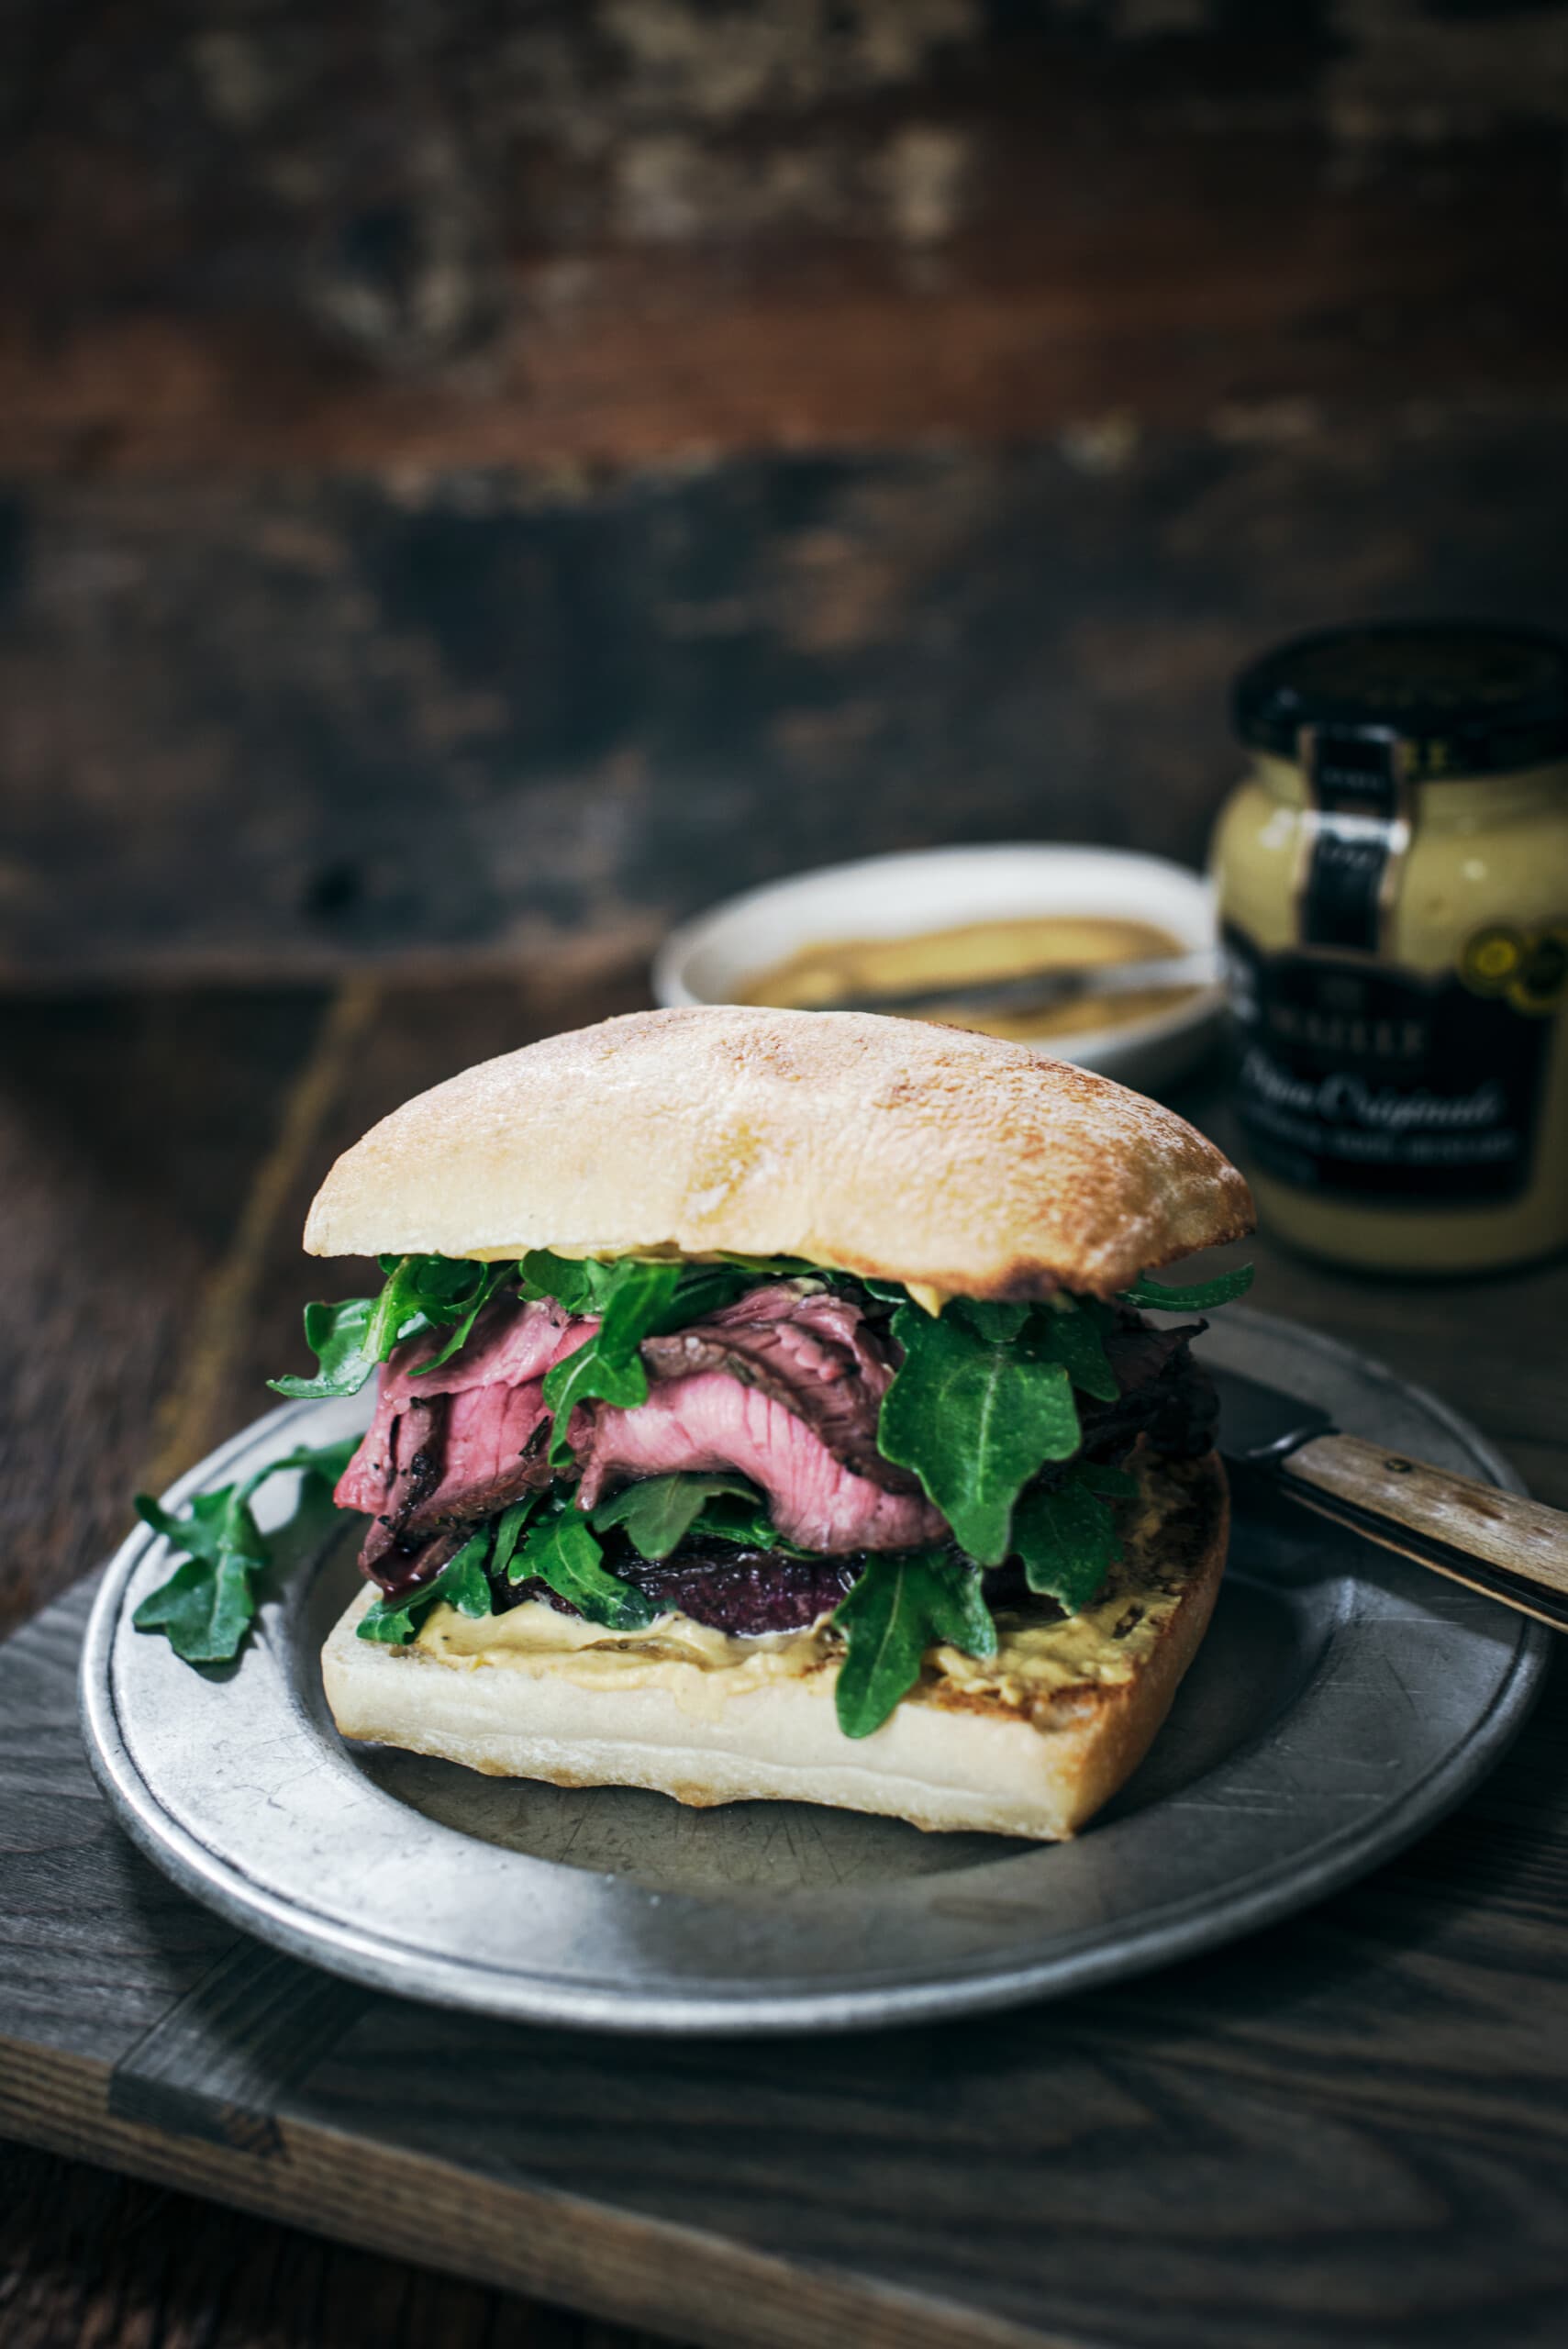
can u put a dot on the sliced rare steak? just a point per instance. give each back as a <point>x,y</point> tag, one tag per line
<point>814,1352</point>
<point>401,1555</point>
<point>479,1422</point>
<point>711,1421</point>
<point>784,1384</point>
<point>399,1570</point>
<point>412,1470</point>
<point>419,1460</point>
<point>493,1390</point>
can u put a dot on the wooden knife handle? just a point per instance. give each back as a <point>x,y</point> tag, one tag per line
<point>1521,1537</point>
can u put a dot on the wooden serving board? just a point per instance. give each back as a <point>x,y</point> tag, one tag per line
<point>1353,2127</point>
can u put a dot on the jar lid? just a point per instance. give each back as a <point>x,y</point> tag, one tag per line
<point>1469,699</point>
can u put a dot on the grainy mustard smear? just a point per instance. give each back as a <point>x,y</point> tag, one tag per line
<point>1040,1653</point>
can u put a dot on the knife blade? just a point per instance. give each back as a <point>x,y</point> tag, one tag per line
<point>1038,990</point>
<point>1261,1424</point>
<point>1500,1543</point>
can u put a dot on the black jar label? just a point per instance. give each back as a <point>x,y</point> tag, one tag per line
<point>1363,1080</point>
<point>1355,833</point>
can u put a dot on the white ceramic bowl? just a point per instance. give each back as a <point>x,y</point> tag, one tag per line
<point>712,957</point>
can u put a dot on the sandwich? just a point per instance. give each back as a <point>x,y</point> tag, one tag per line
<point>765,1407</point>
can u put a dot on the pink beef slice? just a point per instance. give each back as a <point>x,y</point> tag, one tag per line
<point>496,1386</point>
<point>783,1385</point>
<point>710,1421</point>
<point>810,1351</point>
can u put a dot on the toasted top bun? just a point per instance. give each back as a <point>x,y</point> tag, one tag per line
<point>954,1162</point>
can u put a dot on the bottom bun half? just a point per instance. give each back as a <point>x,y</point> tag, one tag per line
<point>1028,1742</point>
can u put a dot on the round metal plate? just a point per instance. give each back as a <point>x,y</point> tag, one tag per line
<point>1342,1701</point>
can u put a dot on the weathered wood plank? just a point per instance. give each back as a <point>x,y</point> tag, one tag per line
<point>128,1132</point>
<point>1350,2128</point>
<point>510,2231</point>
<point>85,2255</point>
<point>490,720</point>
<point>635,230</point>
<point>211,2067</point>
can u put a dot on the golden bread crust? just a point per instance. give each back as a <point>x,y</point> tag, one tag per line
<point>956,1162</point>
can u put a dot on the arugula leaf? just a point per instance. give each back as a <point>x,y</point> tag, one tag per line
<point>1068,1540</point>
<point>396,1310</point>
<point>659,1513</point>
<point>430,1293</point>
<point>1073,1335</point>
<point>468,1305</point>
<point>419,1292</point>
<point>608,1365</point>
<point>558,1549</point>
<point>702,1289</point>
<point>579,1283</point>
<point>207,1605</point>
<point>747,1525</point>
<point>508,1532</point>
<point>581,1375</point>
<point>463,1583</point>
<point>974,1419</point>
<point>335,1335</point>
<point>898,1609</point>
<point>562,1552</point>
<point>587,1284</point>
<point>1196,1298</point>
<point>634,1308</point>
<point>394,1621</point>
<point>770,1268</point>
<point>634,1298</point>
<point>998,1324</point>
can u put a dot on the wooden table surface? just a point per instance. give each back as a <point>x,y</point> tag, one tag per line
<point>157,1151</point>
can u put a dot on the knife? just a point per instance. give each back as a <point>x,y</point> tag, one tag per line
<point>1500,1543</point>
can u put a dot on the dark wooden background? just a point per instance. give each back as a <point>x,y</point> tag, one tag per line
<point>478,479</point>
<point>474,474</point>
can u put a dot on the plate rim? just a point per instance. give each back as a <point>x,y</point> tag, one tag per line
<point>1180,1927</point>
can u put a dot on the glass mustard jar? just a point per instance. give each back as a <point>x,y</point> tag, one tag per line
<point>1393,888</point>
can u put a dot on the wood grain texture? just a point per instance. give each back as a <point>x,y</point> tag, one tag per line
<point>1348,2129</point>
<point>1504,1529</point>
<point>87,2255</point>
<point>128,1134</point>
<point>475,480</point>
<point>252,730</point>
<point>631,231</point>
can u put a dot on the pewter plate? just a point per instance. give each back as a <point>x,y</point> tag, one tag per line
<point>1342,1701</point>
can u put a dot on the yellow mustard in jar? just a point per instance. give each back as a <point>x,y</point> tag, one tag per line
<point>1393,888</point>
